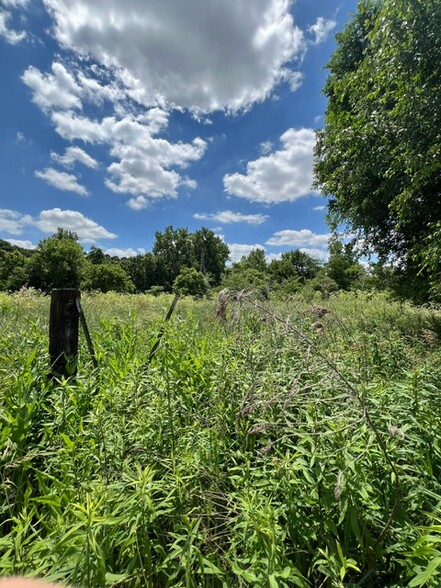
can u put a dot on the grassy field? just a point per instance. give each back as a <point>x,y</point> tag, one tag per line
<point>282,446</point>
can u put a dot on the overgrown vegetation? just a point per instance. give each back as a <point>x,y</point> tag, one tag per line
<point>267,444</point>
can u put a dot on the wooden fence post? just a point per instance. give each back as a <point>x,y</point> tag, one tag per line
<point>63,332</point>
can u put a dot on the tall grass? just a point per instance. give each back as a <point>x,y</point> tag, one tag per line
<point>284,446</point>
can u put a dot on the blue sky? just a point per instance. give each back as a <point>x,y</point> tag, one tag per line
<point>121,117</point>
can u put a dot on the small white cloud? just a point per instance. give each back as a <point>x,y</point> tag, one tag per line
<point>56,90</point>
<point>321,29</point>
<point>293,78</point>
<point>321,254</point>
<point>238,250</point>
<point>19,137</point>
<point>138,203</point>
<point>9,35</point>
<point>303,238</point>
<point>87,230</point>
<point>129,252</point>
<point>266,147</point>
<point>24,244</point>
<point>72,155</point>
<point>61,181</point>
<point>319,208</point>
<point>228,216</point>
<point>12,222</point>
<point>284,175</point>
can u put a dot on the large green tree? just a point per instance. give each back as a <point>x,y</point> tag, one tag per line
<point>211,254</point>
<point>173,249</point>
<point>379,154</point>
<point>58,262</point>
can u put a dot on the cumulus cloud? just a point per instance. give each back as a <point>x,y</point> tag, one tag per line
<point>321,29</point>
<point>199,55</point>
<point>24,244</point>
<point>53,90</point>
<point>238,250</point>
<point>298,239</point>
<point>73,155</point>
<point>10,35</point>
<point>144,161</point>
<point>87,230</point>
<point>281,176</point>
<point>228,216</point>
<point>138,203</point>
<point>129,252</point>
<point>12,222</point>
<point>61,181</point>
<point>321,254</point>
<point>48,221</point>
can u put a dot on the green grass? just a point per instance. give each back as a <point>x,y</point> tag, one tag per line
<point>276,448</point>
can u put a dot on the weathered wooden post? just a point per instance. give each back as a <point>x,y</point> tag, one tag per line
<point>63,332</point>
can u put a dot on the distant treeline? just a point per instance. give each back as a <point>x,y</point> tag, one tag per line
<point>188,263</point>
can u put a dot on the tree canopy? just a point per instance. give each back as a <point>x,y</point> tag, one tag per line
<point>379,154</point>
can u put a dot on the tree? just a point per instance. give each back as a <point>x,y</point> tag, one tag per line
<point>379,155</point>
<point>142,270</point>
<point>174,249</point>
<point>97,255</point>
<point>13,269</point>
<point>211,254</point>
<point>294,264</point>
<point>59,262</point>
<point>342,266</point>
<point>110,276</point>
<point>190,282</point>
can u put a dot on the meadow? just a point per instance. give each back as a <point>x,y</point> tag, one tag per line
<point>283,443</point>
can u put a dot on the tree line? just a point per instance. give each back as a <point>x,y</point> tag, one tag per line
<point>181,261</point>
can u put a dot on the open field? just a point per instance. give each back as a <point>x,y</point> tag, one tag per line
<point>279,447</point>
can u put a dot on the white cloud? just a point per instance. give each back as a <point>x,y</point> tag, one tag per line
<point>12,222</point>
<point>266,147</point>
<point>61,180</point>
<point>48,221</point>
<point>238,250</point>
<point>195,54</point>
<point>319,208</point>
<point>321,254</point>
<point>321,29</point>
<point>19,137</point>
<point>56,90</point>
<point>138,203</point>
<point>284,175</point>
<point>72,155</point>
<point>143,160</point>
<point>303,238</point>
<point>87,229</point>
<point>9,35</point>
<point>228,216</point>
<point>129,252</point>
<point>24,244</point>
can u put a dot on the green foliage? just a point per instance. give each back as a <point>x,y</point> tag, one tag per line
<point>379,153</point>
<point>292,270</point>
<point>190,282</point>
<point>242,456</point>
<point>13,269</point>
<point>211,254</point>
<point>59,262</point>
<point>142,270</point>
<point>342,266</point>
<point>109,276</point>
